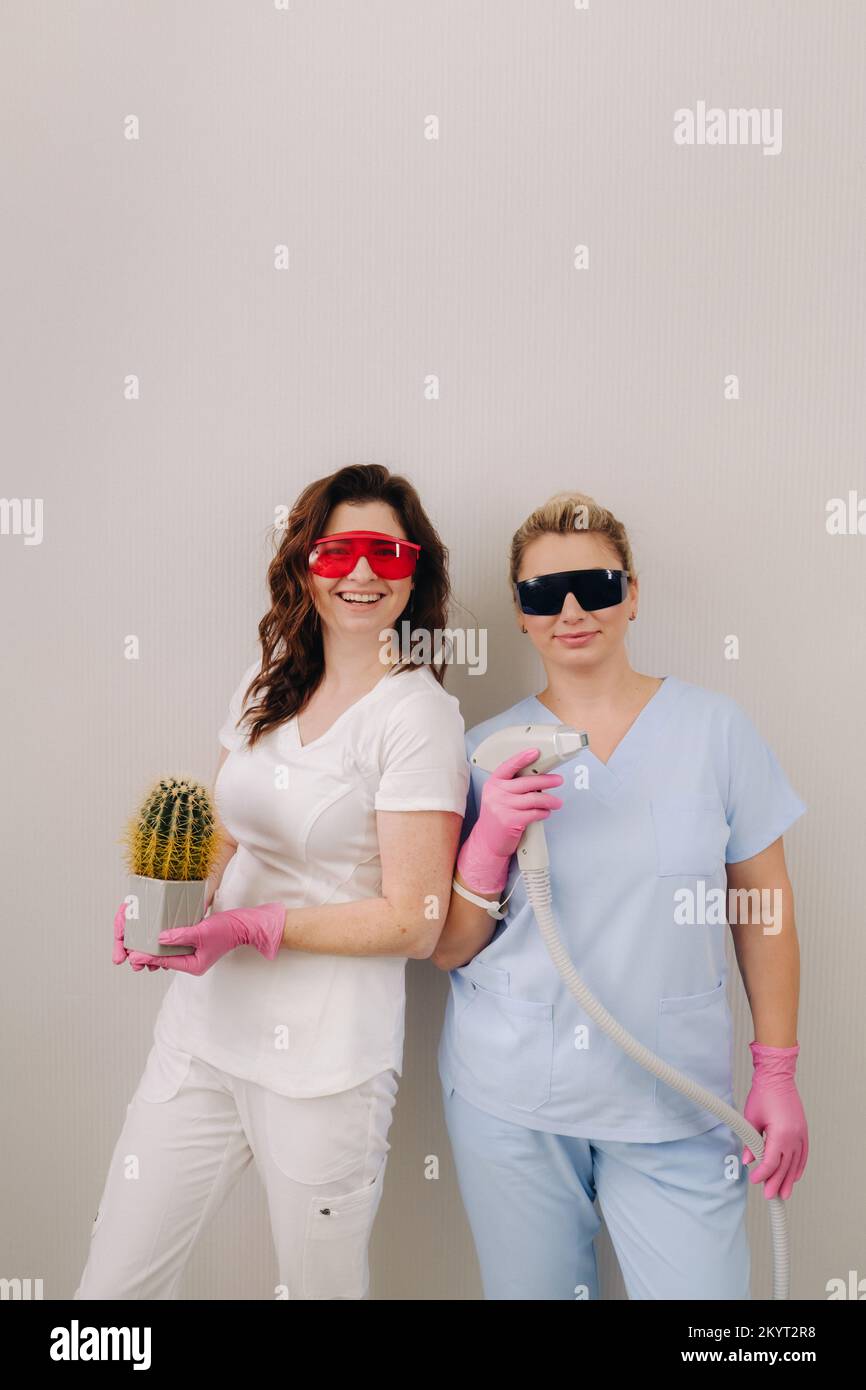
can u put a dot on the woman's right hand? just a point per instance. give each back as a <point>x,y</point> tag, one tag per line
<point>121,954</point>
<point>508,805</point>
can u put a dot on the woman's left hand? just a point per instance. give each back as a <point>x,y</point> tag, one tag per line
<point>775,1109</point>
<point>216,935</point>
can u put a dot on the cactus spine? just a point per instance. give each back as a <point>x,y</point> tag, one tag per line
<point>175,834</point>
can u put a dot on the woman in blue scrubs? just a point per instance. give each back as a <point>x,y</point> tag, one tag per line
<point>676,804</point>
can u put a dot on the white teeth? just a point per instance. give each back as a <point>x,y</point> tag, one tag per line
<point>360,598</point>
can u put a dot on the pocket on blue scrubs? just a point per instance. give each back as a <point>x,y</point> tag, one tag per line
<point>691,833</point>
<point>694,1035</point>
<point>505,1043</point>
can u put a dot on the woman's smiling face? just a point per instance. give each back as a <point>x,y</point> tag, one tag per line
<point>575,638</point>
<point>361,603</point>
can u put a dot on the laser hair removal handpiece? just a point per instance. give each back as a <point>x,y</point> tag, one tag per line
<point>557,744</point>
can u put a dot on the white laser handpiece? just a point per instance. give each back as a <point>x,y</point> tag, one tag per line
<point>558,743</point>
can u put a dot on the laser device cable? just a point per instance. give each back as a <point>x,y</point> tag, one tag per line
<point>559,743</point>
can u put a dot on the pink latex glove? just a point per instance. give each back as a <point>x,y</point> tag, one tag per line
<point>508,804</point>
<point>775,1109</point>
<point>121,954</point>
<point>212,938</point>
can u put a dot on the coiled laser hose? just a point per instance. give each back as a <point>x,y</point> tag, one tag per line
<point>537,883</point>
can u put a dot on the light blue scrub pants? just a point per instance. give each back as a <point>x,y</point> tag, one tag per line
<point>677,1223</point>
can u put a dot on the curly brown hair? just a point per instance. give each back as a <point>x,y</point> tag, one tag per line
<point>292,664</point>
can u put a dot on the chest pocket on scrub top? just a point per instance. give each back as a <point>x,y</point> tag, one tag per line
<point>690,832</point>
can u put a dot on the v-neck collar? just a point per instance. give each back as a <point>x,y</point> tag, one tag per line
<point>607,779</point>
<point>293,733</point>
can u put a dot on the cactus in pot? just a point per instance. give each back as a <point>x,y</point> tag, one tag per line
<point>171,845</point>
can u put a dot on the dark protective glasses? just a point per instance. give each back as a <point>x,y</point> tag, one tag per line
<point>390,557</point>
<point>545,594</point>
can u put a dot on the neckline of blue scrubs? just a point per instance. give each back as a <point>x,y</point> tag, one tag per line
<point>608,779</point>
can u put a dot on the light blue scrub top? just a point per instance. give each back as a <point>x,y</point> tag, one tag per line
<point>692,786</point>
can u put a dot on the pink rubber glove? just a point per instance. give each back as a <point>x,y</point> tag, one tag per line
<point>775,1109</point>
<point>121,954</point>
<point>508,804</point>
<point>212,938</point>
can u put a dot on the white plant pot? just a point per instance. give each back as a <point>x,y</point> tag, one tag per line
<point>162,903</point>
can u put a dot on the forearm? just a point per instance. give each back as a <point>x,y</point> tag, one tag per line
<point>467,931</point>
<point>769,964</point>
<point>367,927</point>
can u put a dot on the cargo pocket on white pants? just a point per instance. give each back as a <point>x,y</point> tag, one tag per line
<point>337,1237</point>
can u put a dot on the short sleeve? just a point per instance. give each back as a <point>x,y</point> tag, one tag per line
<point>229,736</point>
<point>423,757</point>
<point>761,804</point>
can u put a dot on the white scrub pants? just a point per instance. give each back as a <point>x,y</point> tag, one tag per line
<point>676,1220</point>
<point>190,1132</point>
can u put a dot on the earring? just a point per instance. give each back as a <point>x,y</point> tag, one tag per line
<point>524,629</point>
<point>632,617</point>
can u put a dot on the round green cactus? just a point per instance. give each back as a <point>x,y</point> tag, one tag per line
<point>175,834</point>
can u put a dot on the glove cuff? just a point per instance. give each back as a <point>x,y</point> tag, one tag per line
<point>483,873</point>
<point>274,926</point>
<point>262,927</point>
<point>774,1061</point>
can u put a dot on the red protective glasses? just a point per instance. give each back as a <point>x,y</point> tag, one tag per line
<point>390,557</point>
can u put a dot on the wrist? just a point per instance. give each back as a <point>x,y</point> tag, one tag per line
<point>262,927</point>
<point>778,1062</point>
<point>765,1050</point>
<point>483,872</point>
<point>490,904</point>
<point>275,927</point>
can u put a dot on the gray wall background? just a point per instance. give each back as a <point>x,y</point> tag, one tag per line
<point>410,257</point>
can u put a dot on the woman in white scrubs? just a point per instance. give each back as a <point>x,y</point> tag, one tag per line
<point>280,1039</point>
<point>677,795</point>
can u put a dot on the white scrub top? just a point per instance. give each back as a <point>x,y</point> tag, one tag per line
<point>692,786</point>
<point>304,817</point>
